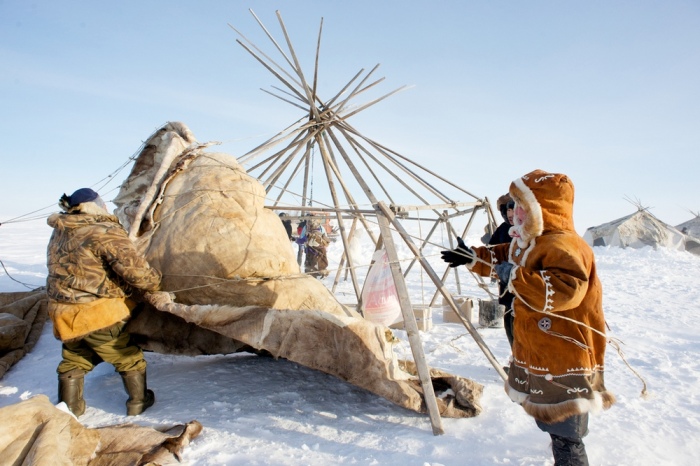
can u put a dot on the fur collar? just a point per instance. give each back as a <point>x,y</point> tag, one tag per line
<point>63,221</point>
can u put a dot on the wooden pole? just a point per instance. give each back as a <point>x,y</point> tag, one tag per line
<point>327,163</point>
<point>283,135</point>
<point>325,118</point>
<point>355,144</point>
<point>410,325</point>
<point>341,264</point>
<point>292,176</point>
<point>311,98</point>
<point>451,232</point>
<point>406,308</point>
<point>272,179</point>
<point>337,108</point>
<point>446,294</point>
<point>426,240</point>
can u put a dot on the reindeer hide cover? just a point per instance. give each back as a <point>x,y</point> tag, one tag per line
<point>200,219</point>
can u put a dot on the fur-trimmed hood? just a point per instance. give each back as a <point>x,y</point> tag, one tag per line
<point>548,200</point>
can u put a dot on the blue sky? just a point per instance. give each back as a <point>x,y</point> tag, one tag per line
<point>606,92</point>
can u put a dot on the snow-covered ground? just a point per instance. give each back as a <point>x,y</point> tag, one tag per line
<point>258,411</point>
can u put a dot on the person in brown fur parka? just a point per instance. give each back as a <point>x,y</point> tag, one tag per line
<point>556,371</point>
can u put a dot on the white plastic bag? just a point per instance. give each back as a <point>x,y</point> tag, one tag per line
<point>380,301</point>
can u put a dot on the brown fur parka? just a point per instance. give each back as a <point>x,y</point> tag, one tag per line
<point>559,328</point>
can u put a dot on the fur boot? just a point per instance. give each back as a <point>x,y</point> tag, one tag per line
<point>70,390</point>
<point>140,397</point>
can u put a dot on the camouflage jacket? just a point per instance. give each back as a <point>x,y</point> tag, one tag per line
<point>91,257</point>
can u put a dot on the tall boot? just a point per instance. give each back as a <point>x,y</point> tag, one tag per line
<point>568,452</point>
<point>70,390</point>
<point>140,398</point>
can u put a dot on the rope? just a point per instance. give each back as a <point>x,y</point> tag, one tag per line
<point>17,220</point>
<point>614,342</point>
<point>22,218</point>
<point>26,285</point>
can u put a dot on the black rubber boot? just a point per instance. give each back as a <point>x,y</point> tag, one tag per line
<point>70,390</point>
<point>568,452</point>
<point>140,398</point>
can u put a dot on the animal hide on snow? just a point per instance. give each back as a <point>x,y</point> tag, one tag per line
<point>200,219</point>
<point>22,318</point>
<point>36,433</point>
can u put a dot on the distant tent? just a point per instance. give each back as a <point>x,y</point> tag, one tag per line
<point>692,226</point>
<point>636,231</point>
<point>691,229</point>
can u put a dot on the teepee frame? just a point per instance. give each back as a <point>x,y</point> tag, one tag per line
<point>350,161</point>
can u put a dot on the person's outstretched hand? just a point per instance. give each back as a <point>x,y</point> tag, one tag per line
<point>462,255</point>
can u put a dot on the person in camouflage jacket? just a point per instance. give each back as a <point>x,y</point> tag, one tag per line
<point>94,274</point>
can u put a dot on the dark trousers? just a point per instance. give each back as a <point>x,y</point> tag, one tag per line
<point>508,324</point>
<point>111,345</point>
<point>506,299</point>
<point>567,440</point>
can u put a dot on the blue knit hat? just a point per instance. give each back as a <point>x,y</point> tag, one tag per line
<point>68,203</point>
<point>82,195</point>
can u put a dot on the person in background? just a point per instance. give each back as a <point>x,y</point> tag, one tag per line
<point>301,228</point>
<point>94,277</point>
<point>315,242</point>
<point>502,235</point>
<point>556,371</point>
<point>505,206</point>
<point>287,225</point>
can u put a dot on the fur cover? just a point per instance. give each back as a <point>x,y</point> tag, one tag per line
<point>30,308</point>
<point>36,433</point>
<point>200,219</point>
<point>559,328</point>
<point>352,349</point>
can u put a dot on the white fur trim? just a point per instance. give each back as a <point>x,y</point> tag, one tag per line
<point>534,224</point>
<point>516,396</point>
<point>526,252</point>
<point>91,208</point>
<point>590,406</point>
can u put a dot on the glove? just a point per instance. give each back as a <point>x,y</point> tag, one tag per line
<point>460,256</point>
<point>503,271</point>
<point>159,298</point>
